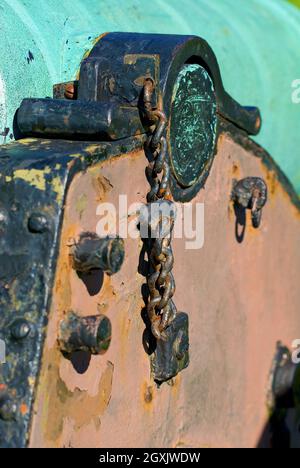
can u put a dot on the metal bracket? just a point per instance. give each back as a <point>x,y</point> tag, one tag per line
<point>251,193</point>
<point>105,103</point>
<point>172,354</point>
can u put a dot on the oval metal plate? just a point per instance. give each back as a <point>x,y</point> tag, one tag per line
<point>193,124</point>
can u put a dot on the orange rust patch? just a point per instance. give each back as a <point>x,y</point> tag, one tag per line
<point>235,169</point>
<point>147,395</point>
<point>77,406</point>
<point>23,409</point>
<point>102,308</point>
<point>102,186</point>
<point>257,123</point>
<point>275,189</point>
<point>272,182</point>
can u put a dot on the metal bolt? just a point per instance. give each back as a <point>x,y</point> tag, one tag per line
<point>91,334</point>
<point>8,408</point>
<point>92,253</point>
<point>37,223</point>
<point>20,329</point>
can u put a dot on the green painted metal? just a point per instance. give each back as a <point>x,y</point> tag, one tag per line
<point>256,43</point>
<point>193,123</point>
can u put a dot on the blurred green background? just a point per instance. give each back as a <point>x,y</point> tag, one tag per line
<point>295,2</point>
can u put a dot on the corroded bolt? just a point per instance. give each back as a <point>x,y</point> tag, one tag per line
<point>93,253</point>
<point>20,329</point>
<point>69,91</point>
<point>91,334</point>
<point>37,223</point>
<point>8,408</point>
<point>251,193</point>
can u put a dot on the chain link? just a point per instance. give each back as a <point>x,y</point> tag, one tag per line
<point>160,308</point>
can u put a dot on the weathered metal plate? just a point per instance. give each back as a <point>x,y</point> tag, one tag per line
<point>234,290</point>
<point>34,176</point>
<point>193,124</point>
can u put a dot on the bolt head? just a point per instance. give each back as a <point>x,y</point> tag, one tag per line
<point>8,408</point>
<point>37,223</point>
<point>3,219</point>
<point>20,329</point>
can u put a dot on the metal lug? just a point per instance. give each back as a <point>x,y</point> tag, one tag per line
<point>91,334</point>
<point>251,193</point>
<point>92,253</point>
<point>172,354</point>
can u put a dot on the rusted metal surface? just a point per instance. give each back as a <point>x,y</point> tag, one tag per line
<point>221,398</point>
<point>70,91</point>
<point>34,177</point>
<point>66,182</point>
<point>66,90</point>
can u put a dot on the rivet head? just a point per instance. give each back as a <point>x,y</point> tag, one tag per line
<point>20,329</point>
<point>3,219</point>
<point>37,223</point>
<point>8,408</point>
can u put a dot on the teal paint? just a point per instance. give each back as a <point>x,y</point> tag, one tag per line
<point>193,124</point>
<point>256,43</point>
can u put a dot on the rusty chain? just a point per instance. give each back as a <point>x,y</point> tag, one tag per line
<point>161,309</point>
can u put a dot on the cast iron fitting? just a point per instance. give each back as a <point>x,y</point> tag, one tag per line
<point>94,253</point>
<point>91,334</point>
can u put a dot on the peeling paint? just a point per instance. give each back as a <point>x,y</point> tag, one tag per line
<point>58,188</point>
<point>34,177</point>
